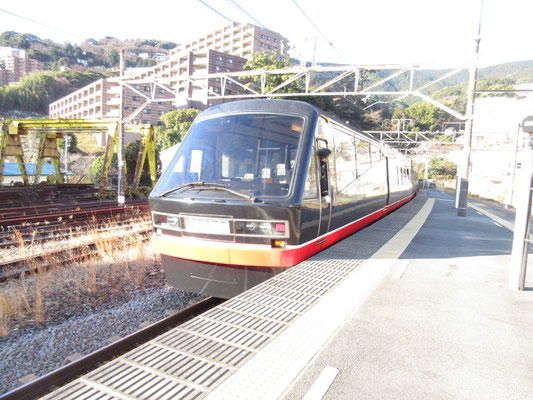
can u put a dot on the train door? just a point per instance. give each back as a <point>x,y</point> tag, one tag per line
<point>324,179</point>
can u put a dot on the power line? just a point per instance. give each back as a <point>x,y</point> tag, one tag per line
<point>239,25</point>
<point>318,30</point>
<point>212,9</point>
<point>227,19</point>
<point>40,23</point>
<point>234,3</point>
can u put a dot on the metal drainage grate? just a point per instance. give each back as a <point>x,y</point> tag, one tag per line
<point>247,321</point>
<point>167,361</point>
<point>191,360</point>
<point>204,347</point>
<point>129,380</point>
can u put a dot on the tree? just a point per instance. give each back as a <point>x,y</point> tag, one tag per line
<point>131,153</point>
<point>145,62</point>
<point>166,45</point>
<point>37,55</point>
<point>441,168</point>
<point>95,171</point>
<point>113,58</point>
<point>425,117</point>
<point>177,124</point>
<point>54,53</point>
<point>73,147</point>
<point>36,91</point>
<point>263,60</point>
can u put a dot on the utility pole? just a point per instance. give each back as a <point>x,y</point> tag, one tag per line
<point>517,273</point>
<point>510,192</point>
<point>121,197</point>
<point>67,145</point>
<point>314,52</point>
<point>462,182</point>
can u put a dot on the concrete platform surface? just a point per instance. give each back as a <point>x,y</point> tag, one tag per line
<point>441,325</point>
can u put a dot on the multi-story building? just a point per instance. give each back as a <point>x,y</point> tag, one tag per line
<point>16,64</point>
<point>203,62</point>
<point>101,99</point>
<point>151,92</point>
<point>3,75</point>
<point>240,40</point>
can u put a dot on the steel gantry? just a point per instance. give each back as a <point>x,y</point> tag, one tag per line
<point>299,81</point>
<point>49,130</point>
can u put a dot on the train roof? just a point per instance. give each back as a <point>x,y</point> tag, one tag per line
<point>262,105</point>
<point>284,107</point>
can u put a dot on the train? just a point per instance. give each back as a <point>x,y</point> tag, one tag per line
<point>258,186</point>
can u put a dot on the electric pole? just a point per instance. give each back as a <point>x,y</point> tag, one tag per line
<point>67,145</point>
<point>121,197</point>
<point>462,182</point>
<point>517,273</point>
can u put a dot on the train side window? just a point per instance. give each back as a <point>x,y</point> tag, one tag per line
<point>345,162</point>
<point>375,153</point>
<point>178,167</point>
<point>311,188</point>
<point>363,156</point>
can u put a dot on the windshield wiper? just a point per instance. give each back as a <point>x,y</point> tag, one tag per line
<point>192,185</point>
<point>224,188</point>
<point>209,186</point>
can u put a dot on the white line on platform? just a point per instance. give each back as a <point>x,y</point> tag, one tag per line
<point>494,217</point>
<point>322,384</point>
<point>272,371</point>
<point>400,269</point>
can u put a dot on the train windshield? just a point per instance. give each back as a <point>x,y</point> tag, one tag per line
<point>249,154</point>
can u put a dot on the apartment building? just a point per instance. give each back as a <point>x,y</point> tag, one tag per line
<point>149,101</point>
<point>151,92</point>
<point>240,40</point>
<point>203,62</point>
<point>3,75</point>
<point>101,99</point>
<point>15,64</point>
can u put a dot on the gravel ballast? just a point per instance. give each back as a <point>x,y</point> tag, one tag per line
<point>49,318</point>
<point>39,351</point>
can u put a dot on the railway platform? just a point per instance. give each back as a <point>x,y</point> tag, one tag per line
<point>442,324</point>
<point>415,305</point>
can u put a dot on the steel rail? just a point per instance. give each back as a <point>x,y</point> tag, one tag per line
<point>74,214</point>
<point>12,269</point>
<point>40,233</point>
<point>63,375</point>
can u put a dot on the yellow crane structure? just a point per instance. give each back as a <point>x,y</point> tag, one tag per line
<point>49,130</point>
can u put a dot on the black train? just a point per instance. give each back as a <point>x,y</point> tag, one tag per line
<point>241,199</point>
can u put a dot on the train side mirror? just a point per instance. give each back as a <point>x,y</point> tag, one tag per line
<point>527,124</point>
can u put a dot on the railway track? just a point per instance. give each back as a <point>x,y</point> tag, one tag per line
<point>30,216</point>
<point>82,249</point>
<point>63,375</point>
<point>28,235</point>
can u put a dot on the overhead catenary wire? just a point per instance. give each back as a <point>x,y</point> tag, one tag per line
<point>258,22</point>
<point>227,19</point>
<point>240,27</point>
<point>234,3</point>
<point>319,31</point>
<point>45,25</point>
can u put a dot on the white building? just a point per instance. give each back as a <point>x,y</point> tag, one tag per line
<point>497,147</point>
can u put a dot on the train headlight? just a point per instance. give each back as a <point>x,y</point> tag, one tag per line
<point>265,228</point>
<point>165,220</point>
<point>250,226</point>
<point>261,228</point>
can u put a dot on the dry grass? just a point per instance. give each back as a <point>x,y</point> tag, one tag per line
<point>123,262</point>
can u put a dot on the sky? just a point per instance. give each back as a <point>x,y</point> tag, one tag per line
<point>429,33</point>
